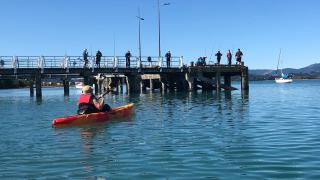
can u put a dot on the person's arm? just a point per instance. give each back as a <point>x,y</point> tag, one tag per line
<point>98,105</point>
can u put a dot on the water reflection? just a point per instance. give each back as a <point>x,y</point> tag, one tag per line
<point>39,100</point>
<point>88,137</point>
<point>209,135</point>
<point>227,95</point>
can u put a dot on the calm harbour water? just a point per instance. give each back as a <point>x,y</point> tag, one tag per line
<point>273,133</point>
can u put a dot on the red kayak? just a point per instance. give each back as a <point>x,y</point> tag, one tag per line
<point>116,113</point>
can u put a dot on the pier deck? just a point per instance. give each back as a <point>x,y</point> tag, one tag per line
<point>114,70</point>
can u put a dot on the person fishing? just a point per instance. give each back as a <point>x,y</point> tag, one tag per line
<point>98,58</point>
<point>218,54</point>
<point>168,58</point>
<point>229,57</point>
<point>85,55</point>
<point>88,103</point>
<point>128,56</point>
<point>239,55</point>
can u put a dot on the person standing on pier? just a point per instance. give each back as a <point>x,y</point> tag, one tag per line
<point>218,54</point>
<point>88,103</point>
<point>168,58</point>
<point>98,58</point>
<point>85,58</point>
<point>239,55</point>
<point>229,57</point>
<point>128,56</point>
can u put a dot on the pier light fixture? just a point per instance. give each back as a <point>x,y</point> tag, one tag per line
<point>139,19</point>
<point>159,35</point>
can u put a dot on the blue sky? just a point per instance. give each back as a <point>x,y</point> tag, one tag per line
<point>189,28</point>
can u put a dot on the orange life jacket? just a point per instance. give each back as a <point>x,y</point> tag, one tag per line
<point>84,98</point>
<point>85,104</point>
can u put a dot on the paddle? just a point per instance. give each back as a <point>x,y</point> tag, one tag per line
<point>101,98</point>
<point>105,93</point>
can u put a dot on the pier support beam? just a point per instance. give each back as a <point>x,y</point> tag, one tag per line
<point>218,81</point>
<point>99,86</point>
<point>133,83</point>
<point>170,81</point>
<point>104,85</point>
<point>163,81</point>
<point>151,84</point>
<point>245,79</point>
<point>96,88</point>
<point>66,87</point>
<point>227,82</point>
<point>181,84</point>
<point>191,82</point>
<point>164,87</point>
<point>38,85</point>
<point>120,84</point>
<point>142,86</point>
<point>171,85</point>
<point>31,84</point>
<point>88,80</point>
<point>116,82</point>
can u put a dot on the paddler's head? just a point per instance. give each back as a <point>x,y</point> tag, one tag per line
<point>86,89</point>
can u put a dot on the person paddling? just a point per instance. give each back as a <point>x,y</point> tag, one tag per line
<point>88,103</point>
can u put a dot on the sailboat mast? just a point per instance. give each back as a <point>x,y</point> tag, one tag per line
<point>279,61</point>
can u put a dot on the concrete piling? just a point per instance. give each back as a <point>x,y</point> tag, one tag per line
<point>133,83</point>
<point>227,81</point>
<point>66,87</point>
<point>31,84</point>
<point>218,81</point>
<point>245,79</point>
<point>38,85</point>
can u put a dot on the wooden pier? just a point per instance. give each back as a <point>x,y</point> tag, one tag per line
<point>138,77</point>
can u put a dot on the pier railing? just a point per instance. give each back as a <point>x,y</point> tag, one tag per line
<point>78,62</point>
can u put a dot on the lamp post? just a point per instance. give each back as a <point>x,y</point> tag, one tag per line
<point>140,19</point>
<point>159,34</point>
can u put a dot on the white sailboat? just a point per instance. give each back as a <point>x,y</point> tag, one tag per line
<point>284,77</point>
<point>79,85</point>
<point>283,80</point>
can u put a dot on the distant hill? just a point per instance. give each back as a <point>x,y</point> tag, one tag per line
<point>310,72</point>
<point>260,71</point>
